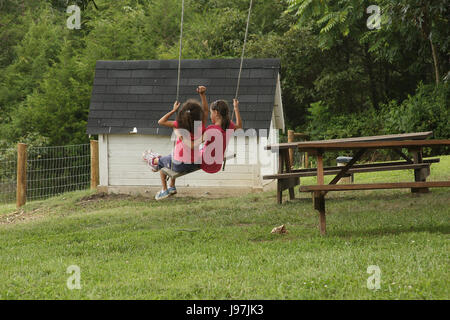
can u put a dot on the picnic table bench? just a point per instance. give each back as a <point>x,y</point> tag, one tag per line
<point>288,178</point>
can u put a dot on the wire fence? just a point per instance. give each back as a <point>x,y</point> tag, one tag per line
<point>8,174</point>
<point>51,171</point>
<point>299,159</point>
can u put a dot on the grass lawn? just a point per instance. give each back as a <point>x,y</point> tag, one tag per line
<point>186,248</point>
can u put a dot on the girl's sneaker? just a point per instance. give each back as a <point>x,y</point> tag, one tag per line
<point>163,194</point>
<point>150,157</point>
<point>172,191</point>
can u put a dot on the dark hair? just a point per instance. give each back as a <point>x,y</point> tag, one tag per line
<point>190,111</point>
<point>221,107</point>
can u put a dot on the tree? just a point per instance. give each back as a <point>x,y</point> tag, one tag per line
<point>428,17</point>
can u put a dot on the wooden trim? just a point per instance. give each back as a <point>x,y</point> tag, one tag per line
<point>103,159</point>
<point>370,165</point>
<point>278,112</point>
<point>374,186</point>
<point>391,137</point>
<point>353,170</point>
<point>329,146</point>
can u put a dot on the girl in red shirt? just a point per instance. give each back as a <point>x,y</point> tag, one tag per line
<point>218,134</point>
<point>186,156</point>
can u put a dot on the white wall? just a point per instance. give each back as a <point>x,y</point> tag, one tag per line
<point>121,164</point>
<point>269,158</point>
<point>277,124</point>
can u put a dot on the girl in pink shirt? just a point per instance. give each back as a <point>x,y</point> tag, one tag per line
<point>189,127</point>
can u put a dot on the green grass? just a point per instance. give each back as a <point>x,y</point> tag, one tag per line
<point>133,248</point>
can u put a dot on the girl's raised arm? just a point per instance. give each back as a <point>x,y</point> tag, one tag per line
<point>201,90</point>
<point>164,121</point>
<point>238,114</point>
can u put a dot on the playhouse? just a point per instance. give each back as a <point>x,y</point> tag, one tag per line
<point>129,97</point>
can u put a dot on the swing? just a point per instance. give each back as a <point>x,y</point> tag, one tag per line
<point>168,171</point>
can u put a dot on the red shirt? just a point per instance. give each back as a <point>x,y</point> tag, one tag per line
<point>212,154</point>
<point>182,151</point>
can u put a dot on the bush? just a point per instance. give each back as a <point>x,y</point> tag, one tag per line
<point>324,124</point>
<point>427,110</point>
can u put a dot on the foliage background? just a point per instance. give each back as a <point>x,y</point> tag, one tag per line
<point>339,78</point>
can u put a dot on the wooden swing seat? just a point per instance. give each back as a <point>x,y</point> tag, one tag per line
<point>175,175</point>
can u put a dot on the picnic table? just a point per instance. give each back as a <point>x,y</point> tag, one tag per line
<point>287,178</point>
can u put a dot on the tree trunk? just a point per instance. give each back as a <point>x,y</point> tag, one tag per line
<point>426,29</point>
<point>436,62</point>
<point>372,81</point>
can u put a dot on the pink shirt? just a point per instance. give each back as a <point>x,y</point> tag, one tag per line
<point>211,161</point>
<point>181,152</point>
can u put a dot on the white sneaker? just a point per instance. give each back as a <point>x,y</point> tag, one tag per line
<point>149,156</point>
<point>163,194</point>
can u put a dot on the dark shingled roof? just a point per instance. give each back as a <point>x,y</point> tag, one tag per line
<point>129,94</point>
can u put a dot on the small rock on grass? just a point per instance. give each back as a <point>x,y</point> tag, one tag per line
<point>280,230</point>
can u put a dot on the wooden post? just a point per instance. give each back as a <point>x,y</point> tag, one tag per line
<point>320,175</point>
<point>21,195</point>
<point>288,165</point>
<point>279,183</point>
<point>420,175</point>
<point>291,151</point>
<point>94,165</point>
<point>319,197</point>
<point>306,164</point>
<point>319,205</point>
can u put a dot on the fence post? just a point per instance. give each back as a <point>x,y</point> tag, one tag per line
<point>291,151</point>
<point>21,193</point>
<point>306,161</point>
<point>94,165</point>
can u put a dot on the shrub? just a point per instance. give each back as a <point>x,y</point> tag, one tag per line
<point>427,110</point>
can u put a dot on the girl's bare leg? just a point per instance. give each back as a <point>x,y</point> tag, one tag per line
<point>163,180</point>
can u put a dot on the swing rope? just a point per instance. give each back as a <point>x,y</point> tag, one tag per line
<point>181,50</point>
<point>240,68</point>
<point>243,53</point>
<point>242,64</point>
<point>179,74</point>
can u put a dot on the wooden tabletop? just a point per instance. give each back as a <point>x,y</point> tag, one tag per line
<point>416,139</point>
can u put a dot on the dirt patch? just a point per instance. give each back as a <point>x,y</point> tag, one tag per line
<point>97,197</point>
<point>94,197</point>
<point>88,201</point>
<point>20,216</point>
